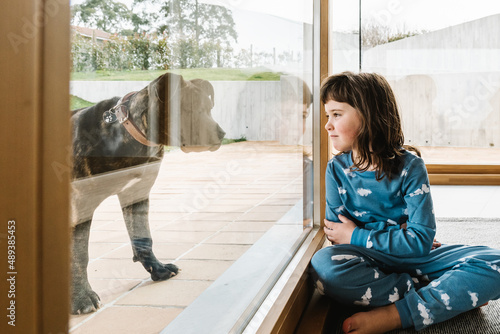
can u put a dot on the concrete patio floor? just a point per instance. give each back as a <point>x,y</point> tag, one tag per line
<point>206,210</point>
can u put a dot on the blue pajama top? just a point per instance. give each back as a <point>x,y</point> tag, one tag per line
<point>380,207</point>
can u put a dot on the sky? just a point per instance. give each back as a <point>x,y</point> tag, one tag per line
<point>265,24</point>
<point>414,14</point>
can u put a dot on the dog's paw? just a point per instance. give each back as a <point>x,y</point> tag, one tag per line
<point>161,272</point>
<point>85,301</point>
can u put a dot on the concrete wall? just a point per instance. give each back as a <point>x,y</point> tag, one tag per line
<point>465,48</point>
<point>461,109</point>
<point>447,83</point>
<point>256,110</point>
<point>95,91</point>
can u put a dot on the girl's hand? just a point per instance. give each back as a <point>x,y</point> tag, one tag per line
<point>339,233</point>
<point>435,244</point>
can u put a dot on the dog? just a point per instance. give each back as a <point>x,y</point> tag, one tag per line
<point>118,145</point>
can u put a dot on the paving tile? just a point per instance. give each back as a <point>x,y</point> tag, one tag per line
<point>288,194</point>
<point>201,269</point>
<point>164,251</point>
<point>108,216</point>
<point>108,236</point>
<point>159,221</point>
<point>109,226</point>
<point>179,293</point>
<point>262,216</point>
<point>247,196</point>
<point>110,289</point>
<point>116,269</point>
<point>249,226</point>
<point>191,226</point>
<point>216,252</point>
<point>99,249</point>
<point>76,319</point>
<point>230,200</point>
<point>214,216</point>
<point>225,208</point>
<point>235,238</point>
<point>282,201</point>
<point>162,236</point>
<point>166,216</point>
<point>272,208</point>
<point>129,320</point>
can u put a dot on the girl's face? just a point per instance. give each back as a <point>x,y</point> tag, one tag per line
<point>343,126</point>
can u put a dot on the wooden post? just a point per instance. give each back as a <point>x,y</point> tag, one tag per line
<point>34,197</point>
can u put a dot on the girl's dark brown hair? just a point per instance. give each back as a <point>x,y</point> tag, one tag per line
<point>380,141</point>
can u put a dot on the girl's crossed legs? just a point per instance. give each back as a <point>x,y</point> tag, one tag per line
<point>361,276</point>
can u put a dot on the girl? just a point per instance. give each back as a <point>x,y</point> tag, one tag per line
<point>380,219</point>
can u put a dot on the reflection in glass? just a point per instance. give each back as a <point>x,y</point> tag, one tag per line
<point>444,70</point>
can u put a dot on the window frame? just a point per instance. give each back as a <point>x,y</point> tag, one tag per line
<point>35,180</point>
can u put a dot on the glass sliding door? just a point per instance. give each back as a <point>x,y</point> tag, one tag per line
<point>192,148</point>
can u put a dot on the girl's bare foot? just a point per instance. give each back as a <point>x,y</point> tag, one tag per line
<point>376,321</point>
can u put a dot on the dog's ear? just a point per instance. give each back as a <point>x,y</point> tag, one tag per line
<point>206,87</point>
<point>164,99</point>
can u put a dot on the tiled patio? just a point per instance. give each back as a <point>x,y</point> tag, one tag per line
<point>207,209</point>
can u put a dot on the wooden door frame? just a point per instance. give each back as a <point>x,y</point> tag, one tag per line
<point>36,165</point>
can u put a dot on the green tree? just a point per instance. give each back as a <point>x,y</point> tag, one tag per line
<point>201,33</point>
<point>373,34</point>
<point>149,15</point>
<point>106,15</point>
<point>141,48</point>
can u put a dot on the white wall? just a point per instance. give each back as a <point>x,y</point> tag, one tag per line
<point>250,109</point>
<point>447,83</point>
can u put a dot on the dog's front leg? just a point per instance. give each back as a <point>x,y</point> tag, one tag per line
<point>136,219</point>
<point>84,299</point>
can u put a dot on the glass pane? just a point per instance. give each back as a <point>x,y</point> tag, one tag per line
<point>192,144</point>
<point>444,70</point>
<point>344,42</point>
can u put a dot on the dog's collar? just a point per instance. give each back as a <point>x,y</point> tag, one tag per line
<point>120,113</point>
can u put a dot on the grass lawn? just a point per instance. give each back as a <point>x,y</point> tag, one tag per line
<point>213,74</point>
<point>77,103</point>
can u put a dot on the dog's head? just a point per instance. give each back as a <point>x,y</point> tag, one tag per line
<point>177,112</point>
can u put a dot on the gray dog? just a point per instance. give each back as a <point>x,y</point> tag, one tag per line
<point>117,148</point>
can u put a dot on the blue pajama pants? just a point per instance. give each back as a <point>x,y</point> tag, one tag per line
<point>426,290</point>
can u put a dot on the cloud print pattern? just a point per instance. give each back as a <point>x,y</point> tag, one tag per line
<point>386,263</point>
<point>380,207</point>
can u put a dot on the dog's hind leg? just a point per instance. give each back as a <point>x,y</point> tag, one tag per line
<point>84,299</point>
<point>136,219</point>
